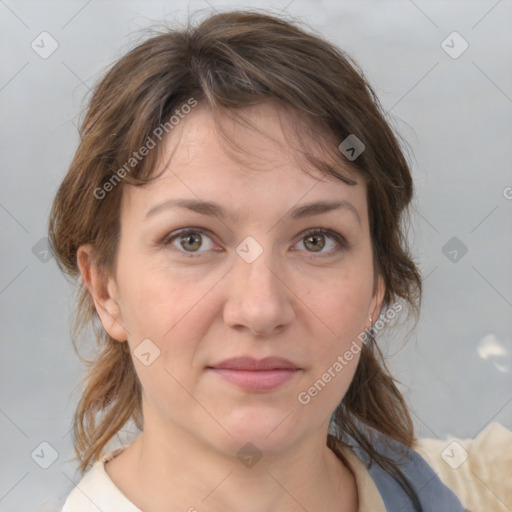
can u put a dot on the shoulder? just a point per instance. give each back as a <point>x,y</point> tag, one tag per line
<point>478,470</point>
<point>96,491</point>
<point>404,480</point>
<point>409,482</point>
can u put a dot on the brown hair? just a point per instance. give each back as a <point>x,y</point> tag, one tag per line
<point>230,60</point>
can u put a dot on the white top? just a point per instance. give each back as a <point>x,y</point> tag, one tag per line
<point>97,492</point>
<point>482,482</point>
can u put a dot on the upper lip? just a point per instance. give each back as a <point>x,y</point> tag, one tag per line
<point>249,363</point>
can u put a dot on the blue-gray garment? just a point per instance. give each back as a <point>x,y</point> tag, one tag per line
<point>432,494</point>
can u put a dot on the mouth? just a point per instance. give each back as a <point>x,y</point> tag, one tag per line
<point>256,375</point>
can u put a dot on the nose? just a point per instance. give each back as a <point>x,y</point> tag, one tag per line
<point>259,298</point>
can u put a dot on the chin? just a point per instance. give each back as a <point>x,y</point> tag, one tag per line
<point>268,429</point>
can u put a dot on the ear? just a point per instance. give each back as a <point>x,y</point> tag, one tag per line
<point>103,291</point>
<point>379,289</point>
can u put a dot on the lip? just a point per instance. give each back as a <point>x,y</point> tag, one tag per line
<point>250,363</point>
<point>256,375</point>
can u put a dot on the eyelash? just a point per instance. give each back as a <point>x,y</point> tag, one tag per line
<point>339,239</point>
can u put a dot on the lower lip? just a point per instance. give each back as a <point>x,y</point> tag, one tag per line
<point>256,380</point>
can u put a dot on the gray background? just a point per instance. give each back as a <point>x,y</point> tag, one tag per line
<point>455,114</point>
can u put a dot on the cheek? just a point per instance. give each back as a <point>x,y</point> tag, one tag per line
<point>172,310</point>
<point>342,301</point>
<point>329,382</point>
<point>162,297</point>
<point>342,306</point>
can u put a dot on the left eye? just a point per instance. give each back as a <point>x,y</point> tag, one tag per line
<point>191,240</point>
<point>316,239</point>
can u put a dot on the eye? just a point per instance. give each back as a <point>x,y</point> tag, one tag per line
<point>189,241</point>
<point>315,240</point>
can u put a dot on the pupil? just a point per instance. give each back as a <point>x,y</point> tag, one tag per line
<point>319,243</point>
<point>190,241</point>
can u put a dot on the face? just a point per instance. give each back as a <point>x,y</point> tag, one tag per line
<point>266,278</point>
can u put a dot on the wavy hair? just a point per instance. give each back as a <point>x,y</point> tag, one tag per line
<point>228,61</point>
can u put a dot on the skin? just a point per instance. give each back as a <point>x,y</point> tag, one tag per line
<point>292,301</point>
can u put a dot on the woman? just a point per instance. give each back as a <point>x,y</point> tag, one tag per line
<point>234,210</point>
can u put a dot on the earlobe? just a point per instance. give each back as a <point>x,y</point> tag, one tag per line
<point>103,292</point>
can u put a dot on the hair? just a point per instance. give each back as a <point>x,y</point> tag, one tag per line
<point>229,61</point>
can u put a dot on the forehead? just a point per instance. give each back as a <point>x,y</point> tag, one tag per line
<point>255,158</point>
<point>261,136</point>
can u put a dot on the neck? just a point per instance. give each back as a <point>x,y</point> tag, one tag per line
<point>177,472</point>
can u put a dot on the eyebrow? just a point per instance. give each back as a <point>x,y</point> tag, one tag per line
<point>213,209</point>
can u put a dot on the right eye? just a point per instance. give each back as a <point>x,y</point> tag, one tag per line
<point>188,241</point>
